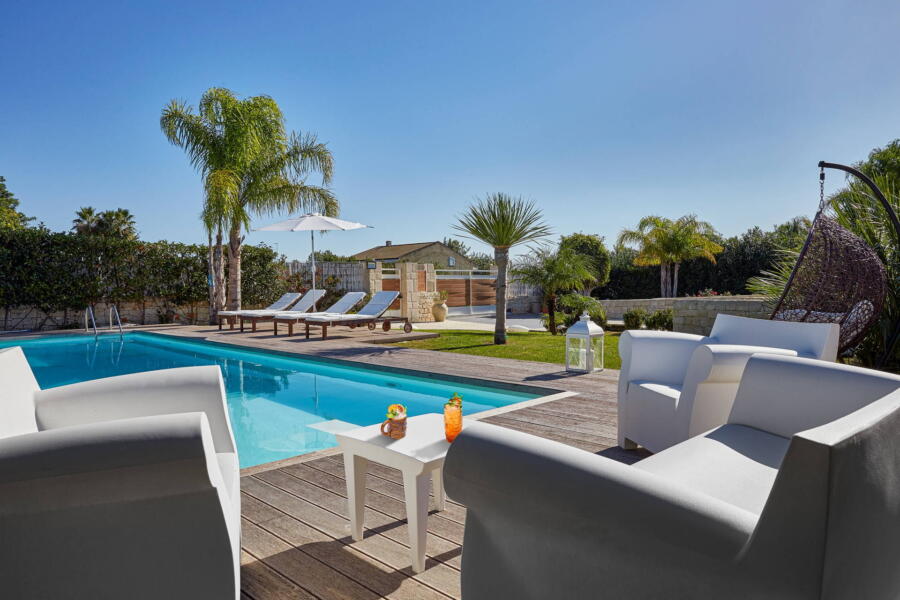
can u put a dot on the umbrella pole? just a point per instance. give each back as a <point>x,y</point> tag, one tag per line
<point>312,239</point>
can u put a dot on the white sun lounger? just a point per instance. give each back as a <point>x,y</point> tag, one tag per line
<point>283,303</point>
<point>344,304</point>
<point>305,303</point>
<point>369,315</point>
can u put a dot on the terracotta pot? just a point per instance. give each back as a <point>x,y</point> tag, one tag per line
<point>439,311</point>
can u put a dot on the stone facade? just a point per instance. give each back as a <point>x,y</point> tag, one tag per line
<point>28,318</point>
<point>696,315</point>
<point>616,308</point>
<point>693,315</point>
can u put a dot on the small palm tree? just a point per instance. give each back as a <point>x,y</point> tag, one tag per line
<point>502,221</point>
<point>555,272</point>
<point>668,243</point>
<point>86,221</point>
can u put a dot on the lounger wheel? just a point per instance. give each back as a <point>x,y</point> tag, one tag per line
<point>386,326</point>
<point>372,326</point>
<point>407,327</point>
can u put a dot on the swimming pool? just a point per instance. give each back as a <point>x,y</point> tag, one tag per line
<point>280,405</point>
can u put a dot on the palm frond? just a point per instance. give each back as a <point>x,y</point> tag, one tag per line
<point>503,221</point>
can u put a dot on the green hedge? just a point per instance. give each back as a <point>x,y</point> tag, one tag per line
<point>56,272</point>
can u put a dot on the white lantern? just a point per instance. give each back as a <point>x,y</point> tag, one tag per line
<point>584,346</point>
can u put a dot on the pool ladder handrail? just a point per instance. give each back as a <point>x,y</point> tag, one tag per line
<point>114,310</point>
<point>89,312</point>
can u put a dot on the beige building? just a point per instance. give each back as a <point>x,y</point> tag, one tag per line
<point>436,253</point>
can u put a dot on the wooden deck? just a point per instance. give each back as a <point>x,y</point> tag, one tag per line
<point>296,541</point>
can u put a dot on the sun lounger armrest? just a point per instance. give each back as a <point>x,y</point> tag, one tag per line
<point>529,482</point>
<point>112,461</point>
<point>169,391</point>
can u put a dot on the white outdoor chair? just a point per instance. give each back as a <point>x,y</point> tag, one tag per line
<point>126,487</point>
<point>673,386</point>
<point>795,497</point>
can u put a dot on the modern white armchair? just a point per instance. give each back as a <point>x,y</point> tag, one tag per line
<point>126,487</point>
<point>797,496</point>
<point>673,386</point>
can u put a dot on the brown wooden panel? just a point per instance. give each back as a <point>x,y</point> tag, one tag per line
<point>456,290</point>
<point>421,281</point>
<point>392,285</point>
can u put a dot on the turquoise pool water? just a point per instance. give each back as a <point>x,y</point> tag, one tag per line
<point>280,406</point>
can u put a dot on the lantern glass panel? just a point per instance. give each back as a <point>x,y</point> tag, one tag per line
<point>597,344</point>
<point>576,353</point>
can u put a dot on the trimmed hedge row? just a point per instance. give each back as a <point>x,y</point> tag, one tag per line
<point>66,271</point>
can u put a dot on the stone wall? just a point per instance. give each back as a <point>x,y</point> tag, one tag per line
<point>692,315</point>
<point>33,319</point>
<point>616,308</point>
<point>696,315</point>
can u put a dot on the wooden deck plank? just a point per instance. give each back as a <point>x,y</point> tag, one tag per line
<point>300,568</point>
<point>376,488</point>
<point>338,526</point>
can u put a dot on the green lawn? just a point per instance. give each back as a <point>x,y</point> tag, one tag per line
<point>538,346</point>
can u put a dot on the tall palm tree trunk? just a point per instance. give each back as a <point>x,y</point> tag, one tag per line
<point>219,273</point>
<point>501,257</point>
<point>211,277</point>
<point>663,280</point>
<point>551,312</point>
<point>234,267</point>
<point>675,280</point>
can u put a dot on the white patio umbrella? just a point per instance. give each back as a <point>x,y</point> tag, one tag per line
<point>313,222</point>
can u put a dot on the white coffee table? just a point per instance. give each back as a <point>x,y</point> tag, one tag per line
<point>419,456</point>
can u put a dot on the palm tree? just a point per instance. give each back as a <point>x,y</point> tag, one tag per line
<point>118,222</point>
<point>555,272</point>
<point>86,220</point>
<point>668,243</point>
<point>249,166</point>
<point>276,182</point>
<point>502,221</point>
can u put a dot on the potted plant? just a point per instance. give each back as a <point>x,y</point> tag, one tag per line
<point>439,310</point>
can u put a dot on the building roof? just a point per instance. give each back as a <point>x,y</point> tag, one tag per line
<point>391,252</point>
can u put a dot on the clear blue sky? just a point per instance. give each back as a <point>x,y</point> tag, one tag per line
<point>601,112</point>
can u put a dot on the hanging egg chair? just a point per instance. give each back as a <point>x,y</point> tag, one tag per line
<point>838,277</point>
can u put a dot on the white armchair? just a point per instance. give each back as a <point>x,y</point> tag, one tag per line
<point>673,386</point>
<point>796,496</point>
<point>126,487</point>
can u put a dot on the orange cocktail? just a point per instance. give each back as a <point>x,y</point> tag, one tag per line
<point>453,417</point>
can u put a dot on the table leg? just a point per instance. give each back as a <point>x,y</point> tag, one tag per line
<point>355,473</point>
<point>415,490</point>
<point>437,483</point>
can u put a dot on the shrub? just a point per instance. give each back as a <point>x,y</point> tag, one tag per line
<point>661,319</point>
<point>634,318</point>
<point>574,305</point>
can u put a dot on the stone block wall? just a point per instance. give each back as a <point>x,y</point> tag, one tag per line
<point>616,308</point>
<point>696,315</point>
<point>693,315</point>
<point>29,318</point>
